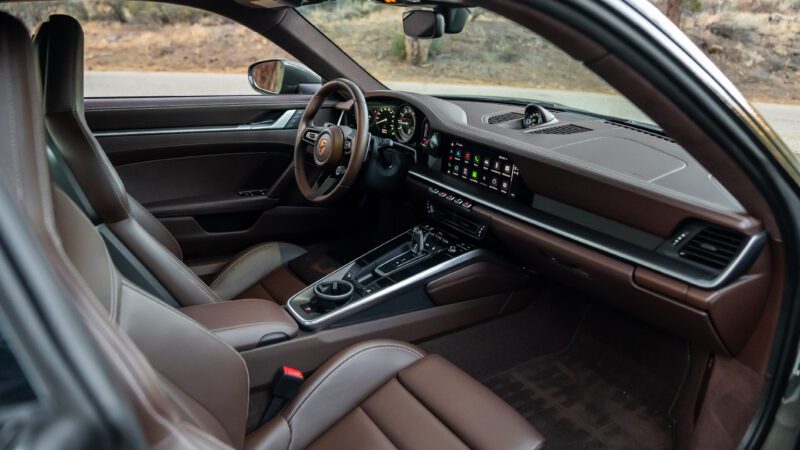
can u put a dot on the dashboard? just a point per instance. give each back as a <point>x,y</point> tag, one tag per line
<point>607,180</point>
<point>617,210</point>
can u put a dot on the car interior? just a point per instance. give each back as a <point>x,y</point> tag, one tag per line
<point>443,272</point>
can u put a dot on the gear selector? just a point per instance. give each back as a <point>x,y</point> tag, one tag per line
<point>407,260</point>
<point>418,240</point>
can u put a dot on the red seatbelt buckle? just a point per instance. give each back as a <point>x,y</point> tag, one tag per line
<point>287,382</point>
<point>285,386</point>
<point>292,372</point>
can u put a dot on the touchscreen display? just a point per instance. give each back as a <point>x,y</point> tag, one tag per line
<point>489,169</point>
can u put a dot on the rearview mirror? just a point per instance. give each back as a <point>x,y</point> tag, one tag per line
<point>280,76</point>
<point>423,24</point>
<point>431,24</point>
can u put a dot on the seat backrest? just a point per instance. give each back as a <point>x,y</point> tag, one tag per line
<point>166,362</point>
<point>59,51</point>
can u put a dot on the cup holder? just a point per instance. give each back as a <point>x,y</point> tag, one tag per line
<point>333,293</point>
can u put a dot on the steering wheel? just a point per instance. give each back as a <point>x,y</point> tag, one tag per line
<point>338,151</point>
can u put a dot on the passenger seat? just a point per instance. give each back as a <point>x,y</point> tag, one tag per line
<point>190,389</point>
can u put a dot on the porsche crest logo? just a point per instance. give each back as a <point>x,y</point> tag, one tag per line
<point>323,145</point>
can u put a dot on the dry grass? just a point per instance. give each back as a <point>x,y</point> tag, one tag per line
<point>181,47</point>
<point>759,52</point>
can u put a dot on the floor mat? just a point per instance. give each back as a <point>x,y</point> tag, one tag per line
<point>544,327</point>
<point>610,386</point>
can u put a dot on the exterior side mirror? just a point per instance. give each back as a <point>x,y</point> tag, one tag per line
<point>423,24</point>
<point>280,76</point>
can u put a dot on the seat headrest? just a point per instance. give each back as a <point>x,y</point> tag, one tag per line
<point>24,169</point>
<point>59,48</point>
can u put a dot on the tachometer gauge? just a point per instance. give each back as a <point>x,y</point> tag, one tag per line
<point>383,121</point>
<point>406,124</point>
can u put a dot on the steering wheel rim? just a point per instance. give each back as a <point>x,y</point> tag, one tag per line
<point>331,145</point>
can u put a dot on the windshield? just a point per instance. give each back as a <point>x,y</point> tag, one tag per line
<point>491,57</point>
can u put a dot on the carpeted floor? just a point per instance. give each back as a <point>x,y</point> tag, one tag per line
<point>586,376</point>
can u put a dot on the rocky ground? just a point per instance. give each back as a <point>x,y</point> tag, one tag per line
<point>760,52</point>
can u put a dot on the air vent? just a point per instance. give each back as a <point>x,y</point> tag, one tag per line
<point>563,129</point>
<point>639,130</point>
<point>713,247</point>
<point>505,117</point>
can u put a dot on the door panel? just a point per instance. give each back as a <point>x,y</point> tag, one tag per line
<point>190,160</point>
<point>162,182</point>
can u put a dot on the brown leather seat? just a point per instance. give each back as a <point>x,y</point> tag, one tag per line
<point>190,389</point>
<point>260,271</point>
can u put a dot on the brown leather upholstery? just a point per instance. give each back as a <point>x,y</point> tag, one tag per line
<point>59,48</point>
<point>25,177</point>
<point>247,268</point>
<point>387,395</point>
<point>189,388</point>
<point>243,323</point>
<point>378,394</point>
<point>279,286</point>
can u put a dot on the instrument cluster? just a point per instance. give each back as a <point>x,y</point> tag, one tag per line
<point>396,122</point>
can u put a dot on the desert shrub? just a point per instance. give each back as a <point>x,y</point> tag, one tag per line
<point>397,46</point>
<point>508,53</point>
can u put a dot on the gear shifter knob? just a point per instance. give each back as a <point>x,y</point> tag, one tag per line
<point>417,240</point>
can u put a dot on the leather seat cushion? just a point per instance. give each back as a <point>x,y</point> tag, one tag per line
<point>283,282</point>
<point>387,394</point>
<point>252,267</point>
<point>431,404</point>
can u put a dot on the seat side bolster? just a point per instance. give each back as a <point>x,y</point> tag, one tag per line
<point>273,435</point>
<point>154,227</point>
<point>187,288</point>
<point>182,351</point>
<point>474,413</point>
<point>341,384</point>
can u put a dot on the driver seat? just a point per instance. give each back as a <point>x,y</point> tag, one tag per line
<point>260,271</point>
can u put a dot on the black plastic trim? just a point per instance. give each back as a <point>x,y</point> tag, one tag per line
<point>601,242</point>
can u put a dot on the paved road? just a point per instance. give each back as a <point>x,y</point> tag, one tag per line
<point>785,119</point>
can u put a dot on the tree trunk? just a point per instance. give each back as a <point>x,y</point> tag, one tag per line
<point>674,11</point>
<point>417,51</point>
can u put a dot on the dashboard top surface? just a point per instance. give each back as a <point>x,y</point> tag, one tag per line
<point>609,151</point>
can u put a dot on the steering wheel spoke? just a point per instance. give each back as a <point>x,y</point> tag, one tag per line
<point>324,182</point>
<point>311,134</point>
<point>349,137</point>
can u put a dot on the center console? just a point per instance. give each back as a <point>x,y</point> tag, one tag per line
<point>399,264</point>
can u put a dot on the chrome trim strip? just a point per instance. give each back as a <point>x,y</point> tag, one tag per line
<point>748,253</point>
<point>278,124</point>
<point>364,302</point>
